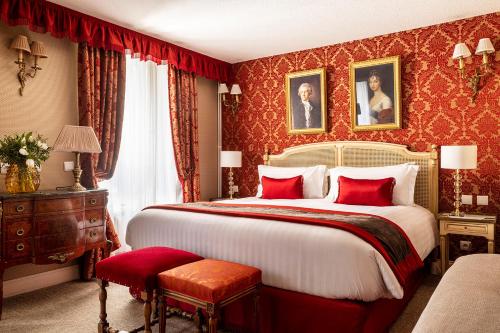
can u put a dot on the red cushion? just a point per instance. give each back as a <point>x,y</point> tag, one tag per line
<point>368,192</point>
<point>286,188</point>
<point>138,269</point>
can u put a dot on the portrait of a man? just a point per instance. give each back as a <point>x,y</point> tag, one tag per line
<point>375,97</point>
<point>306,102</point>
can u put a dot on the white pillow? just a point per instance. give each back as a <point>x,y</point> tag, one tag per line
<point>404,174</point>
<point>314,178</point>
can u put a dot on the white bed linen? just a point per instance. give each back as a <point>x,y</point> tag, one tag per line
<point>315,260</point>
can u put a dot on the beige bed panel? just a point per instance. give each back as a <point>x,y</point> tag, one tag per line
<point>366,154</point>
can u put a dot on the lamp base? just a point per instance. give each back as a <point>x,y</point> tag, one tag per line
<point>458,194</point>
<point>77,187</point>
<point>77,173</point>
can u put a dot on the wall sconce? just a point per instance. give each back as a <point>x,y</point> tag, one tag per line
<point>231,103</point>
<point>461,52</point>
<point>21,44</point>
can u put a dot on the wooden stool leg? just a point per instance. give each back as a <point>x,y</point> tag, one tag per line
<point>198,320</point>
<point>256,299</point>
<point>213,317</point>
<point>163,313</point>
<point>147,297</point>
<point>155,304</point>
<point>103,325</point>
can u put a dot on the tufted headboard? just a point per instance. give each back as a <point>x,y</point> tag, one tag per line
<point>366,154</point>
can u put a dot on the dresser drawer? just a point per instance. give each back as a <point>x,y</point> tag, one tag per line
<point>18,248</point>
<point>94,235</point>
<point>98,200</point>
<point>58,223</point>
<point>469,228</point>
<point>59,257</point>
<point>94,218</point>
<point>17,208</point>
<point>18,229</point>
<point>58,205</point>
<point>59,242</point>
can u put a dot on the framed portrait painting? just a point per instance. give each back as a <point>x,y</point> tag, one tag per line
<point>375,94</point>
<point>306,101</point>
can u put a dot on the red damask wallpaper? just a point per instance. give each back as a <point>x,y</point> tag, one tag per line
<point>436,104</point>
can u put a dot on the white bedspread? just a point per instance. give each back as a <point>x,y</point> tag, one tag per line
<point>315,260</point>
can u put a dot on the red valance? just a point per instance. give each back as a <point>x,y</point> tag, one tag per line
<point>43,16</point>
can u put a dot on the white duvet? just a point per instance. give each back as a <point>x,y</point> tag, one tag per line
<point>315,260</point>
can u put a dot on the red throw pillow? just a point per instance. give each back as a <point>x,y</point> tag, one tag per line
<point>367,192</point>
<point>285,188</point>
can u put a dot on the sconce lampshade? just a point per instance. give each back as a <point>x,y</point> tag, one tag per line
<point>80,139</point>
<point>222,88</point>
<point>230,159</point>
<point>461,51</point>
<point>235,89</point>
<point>484,45</point>
<point>38,49</point>
<point>21,43</point>
<point>458,157</point>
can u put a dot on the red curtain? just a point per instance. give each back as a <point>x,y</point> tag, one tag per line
<point>101,95</point>
<point>43,16</point>
<point>184,121</point>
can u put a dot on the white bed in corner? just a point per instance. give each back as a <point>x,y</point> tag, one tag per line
<point>309,259</point>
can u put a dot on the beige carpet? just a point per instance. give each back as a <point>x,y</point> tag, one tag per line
<point>74,307</point>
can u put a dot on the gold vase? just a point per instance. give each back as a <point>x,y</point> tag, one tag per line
<point>20,180</point>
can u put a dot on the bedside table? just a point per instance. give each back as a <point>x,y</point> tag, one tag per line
<point>470,225</point>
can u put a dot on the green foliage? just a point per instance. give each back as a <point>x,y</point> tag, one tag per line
<point>24,149</point>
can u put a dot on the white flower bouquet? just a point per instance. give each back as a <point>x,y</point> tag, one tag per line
<point>25,150</point>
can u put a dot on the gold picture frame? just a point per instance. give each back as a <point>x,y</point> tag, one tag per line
<point>375,87</point>
<point>305,108</point>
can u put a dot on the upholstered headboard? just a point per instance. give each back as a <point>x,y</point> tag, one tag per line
<point>367,154</point>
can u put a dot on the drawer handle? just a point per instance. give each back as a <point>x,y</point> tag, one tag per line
<point>93,201</point>
<point>19,208</point>
<point>20,247</point>
<point>61,257</point>
<point>93,220</point>
<point>20,232</point>
<point>465,228</point>
<point>93,233</point>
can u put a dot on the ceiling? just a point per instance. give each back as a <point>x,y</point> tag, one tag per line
<point>239,30</point>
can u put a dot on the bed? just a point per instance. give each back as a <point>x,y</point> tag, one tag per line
<point>316,278</point>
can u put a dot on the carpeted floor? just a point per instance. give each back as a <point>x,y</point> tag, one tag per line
<point>74,307</point>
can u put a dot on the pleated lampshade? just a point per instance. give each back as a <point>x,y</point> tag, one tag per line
<point>20,43</point>
<point>80,139</point>
<point>38,49</point>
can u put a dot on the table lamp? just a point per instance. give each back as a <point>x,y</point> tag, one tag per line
<point>230,159</point>
<point>458,157</point>
<point>77,139</point>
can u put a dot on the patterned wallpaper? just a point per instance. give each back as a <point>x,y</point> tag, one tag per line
<point>436,104</point>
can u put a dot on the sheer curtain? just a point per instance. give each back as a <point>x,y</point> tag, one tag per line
<point>145,173</point>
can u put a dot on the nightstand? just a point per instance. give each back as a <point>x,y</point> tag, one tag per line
<point>471,225</point>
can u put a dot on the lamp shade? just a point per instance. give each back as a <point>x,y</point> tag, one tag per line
<point>484,45</point>
<point>38,49</point>
<point>222,88</point>
<point>80,139</point>
<point>230,159</point>
<point>458,157</point>
<point>21,43</point>
<point>235,89</point>
<point>461,51</point>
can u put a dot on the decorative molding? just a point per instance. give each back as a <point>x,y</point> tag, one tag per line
<point>41,280</point>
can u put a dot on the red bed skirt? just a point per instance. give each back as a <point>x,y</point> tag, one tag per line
<point>284,311</point>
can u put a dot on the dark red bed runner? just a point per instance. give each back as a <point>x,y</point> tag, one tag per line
<point>384,235</point>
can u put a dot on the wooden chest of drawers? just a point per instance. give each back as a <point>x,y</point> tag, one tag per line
<point>50,227</point>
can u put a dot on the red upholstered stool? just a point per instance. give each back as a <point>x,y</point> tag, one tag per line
<point>138,269</point>
<point>210,285</point>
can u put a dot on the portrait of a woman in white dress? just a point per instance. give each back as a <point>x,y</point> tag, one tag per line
<point>375,94</point>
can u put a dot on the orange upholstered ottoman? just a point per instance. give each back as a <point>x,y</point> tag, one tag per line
<point>139,270</point>
<point>209,285</point>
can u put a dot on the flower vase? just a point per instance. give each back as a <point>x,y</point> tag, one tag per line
<point>21,180</point>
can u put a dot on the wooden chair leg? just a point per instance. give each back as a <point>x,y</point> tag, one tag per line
<point>155,304</point>
<point>147,297</point>
<point>163,313</point>
<point>103,325</point>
